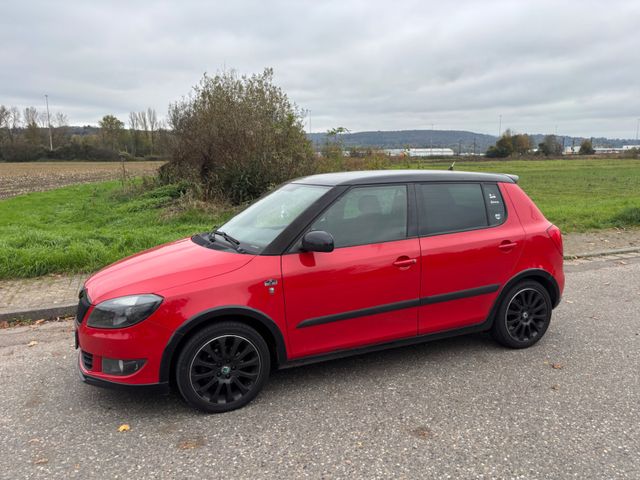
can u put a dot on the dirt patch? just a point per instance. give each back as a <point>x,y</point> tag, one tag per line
<point>588,242</point>
<point>19,178</point>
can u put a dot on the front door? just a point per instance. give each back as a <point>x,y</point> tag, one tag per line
<point>365,291</point>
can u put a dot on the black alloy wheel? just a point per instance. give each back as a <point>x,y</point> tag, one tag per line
<point>524,315</point>
<point>223,367</point>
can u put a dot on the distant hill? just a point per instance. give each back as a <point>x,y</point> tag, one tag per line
<point>413,139</point>
<point>453,139</point>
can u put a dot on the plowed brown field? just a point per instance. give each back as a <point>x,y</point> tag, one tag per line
<point>19,178</point>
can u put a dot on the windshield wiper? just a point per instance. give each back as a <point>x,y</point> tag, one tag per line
<point>235,243</point>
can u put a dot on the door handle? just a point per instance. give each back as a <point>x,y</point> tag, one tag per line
<point>507,245</point>
<point>404,262</point>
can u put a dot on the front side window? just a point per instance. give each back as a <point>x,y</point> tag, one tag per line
<point>450,207</point>
<point>366,215</point>
<point>258,225</point>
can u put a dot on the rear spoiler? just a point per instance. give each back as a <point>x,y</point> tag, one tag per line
<point>515,178</point>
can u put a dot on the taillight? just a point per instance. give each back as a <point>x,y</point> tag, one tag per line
<point>556,237</point>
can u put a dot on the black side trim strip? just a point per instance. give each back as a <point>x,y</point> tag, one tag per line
<point>389,307</point>
<point>447,297</point>
<point>403,342</point>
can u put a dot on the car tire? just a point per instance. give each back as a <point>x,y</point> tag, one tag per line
<point>523,316</point>
<point>223,367</point>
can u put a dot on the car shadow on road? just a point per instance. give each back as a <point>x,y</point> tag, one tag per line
<point>305,380</point>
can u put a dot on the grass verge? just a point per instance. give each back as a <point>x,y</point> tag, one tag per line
<point>85,227</point>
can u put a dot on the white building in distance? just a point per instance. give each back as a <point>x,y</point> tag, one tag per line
<point>419,152</point>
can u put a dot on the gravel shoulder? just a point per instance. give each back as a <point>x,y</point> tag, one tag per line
<point>598,240</point>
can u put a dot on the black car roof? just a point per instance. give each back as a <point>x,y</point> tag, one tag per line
<point>402,176</point>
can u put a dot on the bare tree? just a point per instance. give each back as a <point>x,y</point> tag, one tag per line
<point>133,131</point>
<point>153,125</point>
<point>60,124</point>
<point>32,125</point>
<point>5,122</point>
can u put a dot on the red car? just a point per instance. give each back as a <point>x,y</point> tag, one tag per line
<point>325,266</point>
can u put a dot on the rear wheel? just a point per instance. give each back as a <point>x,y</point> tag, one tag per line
<point>223,367</point>
<point>523,316</point>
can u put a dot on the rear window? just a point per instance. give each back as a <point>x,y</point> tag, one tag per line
<point>495,204</point>
<point>454,207</point>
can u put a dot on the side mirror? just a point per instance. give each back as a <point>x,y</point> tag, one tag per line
<point>317,241</point>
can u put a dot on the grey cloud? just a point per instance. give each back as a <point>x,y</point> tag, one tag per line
<point>361,64</point>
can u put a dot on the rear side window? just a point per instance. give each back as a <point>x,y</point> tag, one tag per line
<point>495,204</point>
<point>451,207</point>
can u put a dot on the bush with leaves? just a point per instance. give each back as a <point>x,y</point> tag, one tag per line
<point>586,148</point>
<point>237,137</point>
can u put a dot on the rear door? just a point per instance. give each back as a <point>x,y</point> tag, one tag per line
<point>470,245</point>
<point>366,290</point>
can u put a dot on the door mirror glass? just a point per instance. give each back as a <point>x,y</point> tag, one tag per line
<point>317,241</point>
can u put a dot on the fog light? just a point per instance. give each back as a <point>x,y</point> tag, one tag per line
<point>113,366</point>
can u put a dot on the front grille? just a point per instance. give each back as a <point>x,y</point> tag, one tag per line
<point>87,360</point>
<point>83,305</point>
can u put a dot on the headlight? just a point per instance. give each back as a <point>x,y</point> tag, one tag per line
<point>124,311</point>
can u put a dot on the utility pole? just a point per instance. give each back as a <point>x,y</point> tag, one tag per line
<point>459,147</point>
<point>474,145</point>
<point>46,99</point>
<point>637,130</point>
<point>499,125</point>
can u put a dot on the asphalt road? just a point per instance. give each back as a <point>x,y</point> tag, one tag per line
<point>460,408</point>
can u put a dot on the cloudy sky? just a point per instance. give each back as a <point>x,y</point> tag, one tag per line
<point>365,65</point>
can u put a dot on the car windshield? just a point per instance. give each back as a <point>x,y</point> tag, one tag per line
<point>259,224</point>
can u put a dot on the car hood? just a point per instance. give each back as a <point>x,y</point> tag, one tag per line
<point>162,267</point>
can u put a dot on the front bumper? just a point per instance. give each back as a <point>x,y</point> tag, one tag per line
<point>159,388</point>
<point>144,341</point>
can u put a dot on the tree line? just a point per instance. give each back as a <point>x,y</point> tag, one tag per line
<point>29,134</point>
<point>519,144</point>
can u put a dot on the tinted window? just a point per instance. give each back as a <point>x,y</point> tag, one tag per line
<point>450,207</point>
<point>366,215</point>
<point>495,204</point>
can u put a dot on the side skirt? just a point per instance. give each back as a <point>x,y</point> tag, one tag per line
<point>403,342</point>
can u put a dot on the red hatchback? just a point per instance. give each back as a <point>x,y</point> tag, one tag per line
<point>324,266</point>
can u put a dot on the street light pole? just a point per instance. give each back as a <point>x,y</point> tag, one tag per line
<point>46,99</point>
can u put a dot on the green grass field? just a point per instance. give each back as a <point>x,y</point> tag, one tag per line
<point>82,228</point>
<point>85,227</point>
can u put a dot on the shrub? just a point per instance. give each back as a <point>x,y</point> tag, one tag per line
<point>22,152</point>
<point>236,137</point>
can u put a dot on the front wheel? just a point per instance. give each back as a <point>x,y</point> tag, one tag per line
<point>223,367</point>
<point>523,316</point>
